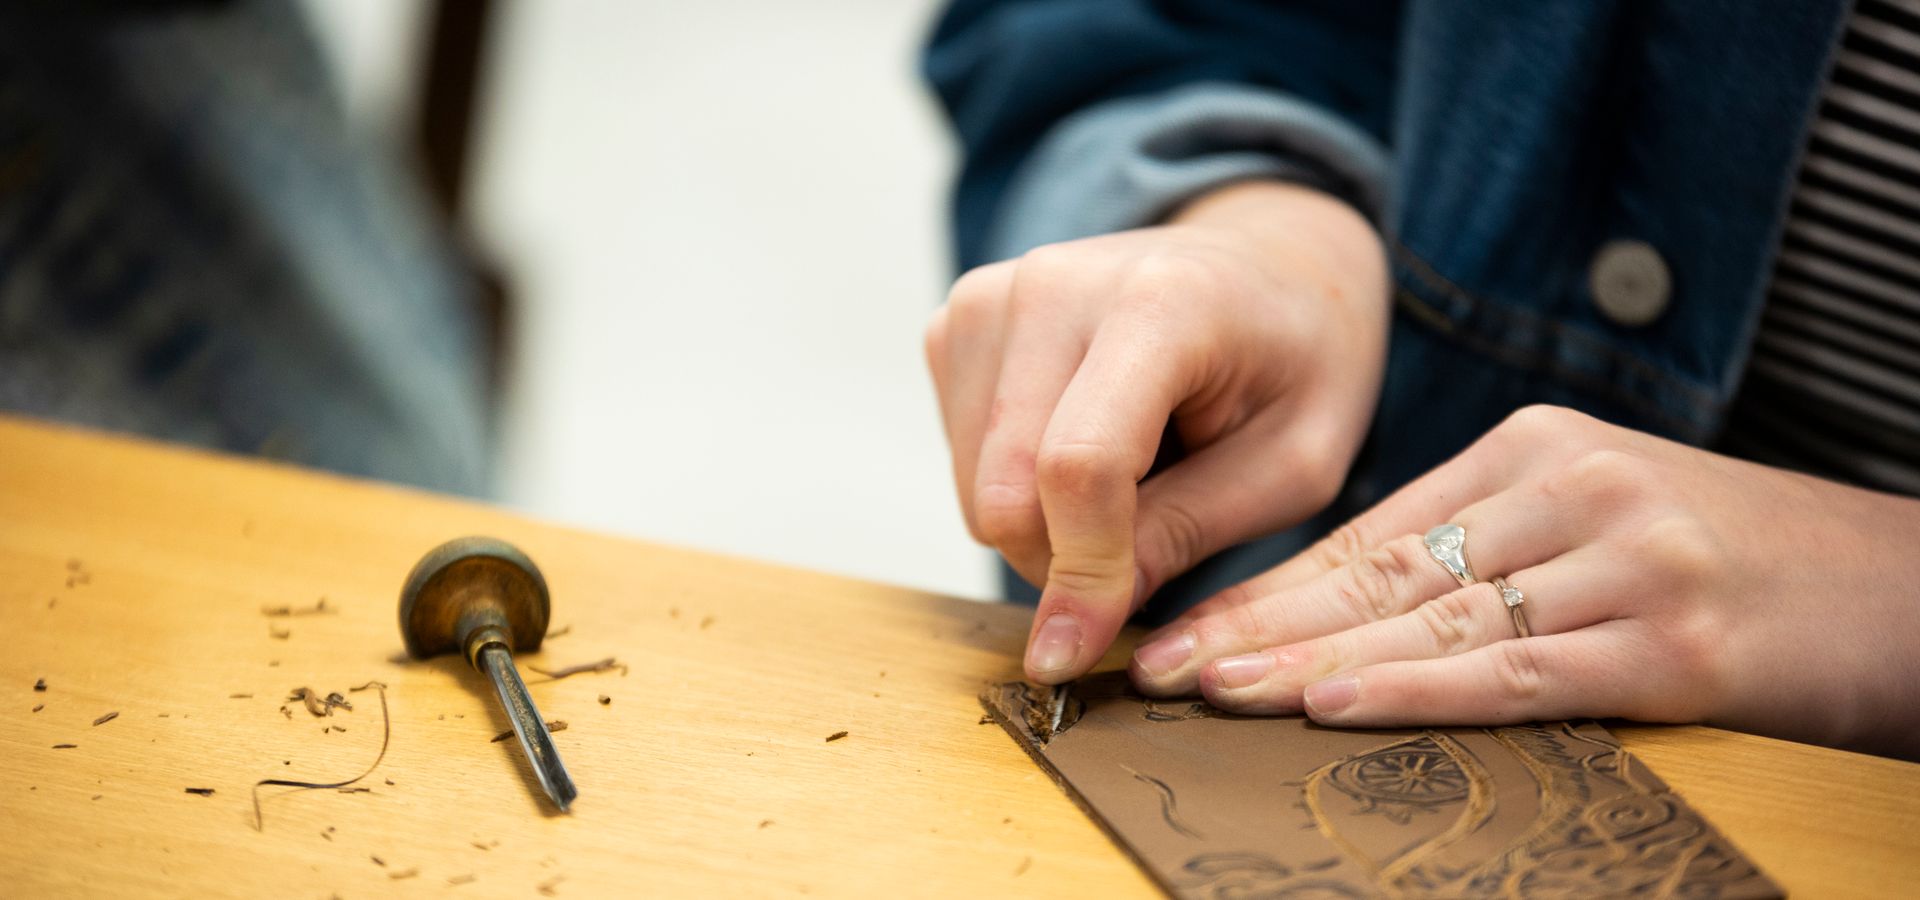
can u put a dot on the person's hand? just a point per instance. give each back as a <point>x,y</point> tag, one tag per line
<point>1255,322</point>
<point>1662,583</point>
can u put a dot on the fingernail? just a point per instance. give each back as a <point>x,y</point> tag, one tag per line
<point>1161,657</point>
<point>1055,645</point>
<point>1331,695</point>
<point>1240,671</point>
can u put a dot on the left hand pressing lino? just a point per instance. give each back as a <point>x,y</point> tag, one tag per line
<point>1663,583</point>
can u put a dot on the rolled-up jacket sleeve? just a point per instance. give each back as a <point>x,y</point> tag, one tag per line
<point>1081,117</point>
<point>1130,162</point>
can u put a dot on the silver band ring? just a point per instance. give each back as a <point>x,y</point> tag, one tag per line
<point>1447,544</point>
<point>1512,597</point>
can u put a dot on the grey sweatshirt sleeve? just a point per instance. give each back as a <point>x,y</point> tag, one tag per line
<point>1130,162</point>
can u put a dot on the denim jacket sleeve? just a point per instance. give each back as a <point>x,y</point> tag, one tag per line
<point>1082,116</point>
<point>1129,162</point>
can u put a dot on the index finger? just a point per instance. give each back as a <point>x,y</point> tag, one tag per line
<point>1098,445</point>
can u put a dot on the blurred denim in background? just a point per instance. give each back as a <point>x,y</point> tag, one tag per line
<point>192,247</point>
<point>721,226</point>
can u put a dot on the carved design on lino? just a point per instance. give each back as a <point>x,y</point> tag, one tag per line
<point>1645,842</point>
<point>1608,762</point>
<point>1641,842</point>
<point>1256,876</point>
<point>1308,822</point>
<point>1398,781</point>
<point>1157,712</point>
<point>1169,804</point>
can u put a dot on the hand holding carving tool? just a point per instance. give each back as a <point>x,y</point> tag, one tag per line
<point>484,599</point>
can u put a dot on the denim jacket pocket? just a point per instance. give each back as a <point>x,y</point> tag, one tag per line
<point>1550,358</point>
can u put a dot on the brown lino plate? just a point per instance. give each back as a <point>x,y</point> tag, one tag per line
<point>1222,806</point>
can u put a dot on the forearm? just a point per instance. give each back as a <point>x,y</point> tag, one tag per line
<point>1844,559</point>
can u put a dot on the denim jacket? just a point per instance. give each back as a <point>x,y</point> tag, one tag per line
<point>1580,199</point>
<point>194,245</point>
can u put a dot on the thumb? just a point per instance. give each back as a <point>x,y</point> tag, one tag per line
<point>1253,482</point>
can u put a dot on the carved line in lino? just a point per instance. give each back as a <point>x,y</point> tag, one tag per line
<point>1644,842</point>
<point>1418,870</point>
<point>1169,805</point>
<point>1399,797</point>
<point>1480,803</point>
<point>1609,761</point>
<point>1155,712</point>
<point>1245,876</point>
<point>1562,791</point>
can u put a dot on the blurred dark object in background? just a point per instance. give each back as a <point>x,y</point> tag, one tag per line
<point>450,96</point>
<point>192,245</point>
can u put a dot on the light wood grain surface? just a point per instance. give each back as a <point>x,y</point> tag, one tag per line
<point>132,579</point>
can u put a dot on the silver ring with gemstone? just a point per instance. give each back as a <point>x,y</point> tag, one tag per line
<point>1512,597</point>
<point>1447,544</point>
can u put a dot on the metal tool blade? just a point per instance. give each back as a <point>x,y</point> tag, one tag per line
<point>535,741</point>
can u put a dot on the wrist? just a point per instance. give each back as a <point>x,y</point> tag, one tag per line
<point>1270,209</point>
<point>1295,223</point>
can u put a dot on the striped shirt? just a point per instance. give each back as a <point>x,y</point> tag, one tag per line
<point>1833,384</point>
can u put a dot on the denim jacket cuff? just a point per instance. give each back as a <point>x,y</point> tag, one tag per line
<point>1129,162</point>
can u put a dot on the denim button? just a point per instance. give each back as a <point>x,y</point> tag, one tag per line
<point>1630,282</point>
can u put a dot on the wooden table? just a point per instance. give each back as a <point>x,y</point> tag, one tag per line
<point>133,579</point>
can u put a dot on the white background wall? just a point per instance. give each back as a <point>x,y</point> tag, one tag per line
<point>723,222</point>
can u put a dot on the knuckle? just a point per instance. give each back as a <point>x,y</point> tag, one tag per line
<point>1040,274</point>
<point>1234,596</point>
<point>934,339</point>
<point>979,286</point>
<point>1692,646</point>
<point>1085,575</point>
<point>973,527</point>
<point>1167,271</point>
<point>1358,592</point>
<point>1543,423</point>
<point>1517,668</point>
<point>1402,557</point>
<point>1182,538</point>
<point>1450,621</point>
<point>1318,455</point>
<point>1541,417</point>
<point>1606,478</point>
<point>969,317</point>
<point>1030,297</point>
<point>1050,258</point>
<point>1231,627</point>
<point>1078,468</point>
<point>1340,546</point>
<point>1004,514</point>
<point>970,516</point>
<point>1216,630</point>
<point>1369,588</point>
<point>964,491</point>
<point>1684,550</point>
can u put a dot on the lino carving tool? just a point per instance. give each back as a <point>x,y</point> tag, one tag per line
<point>484,599</point>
